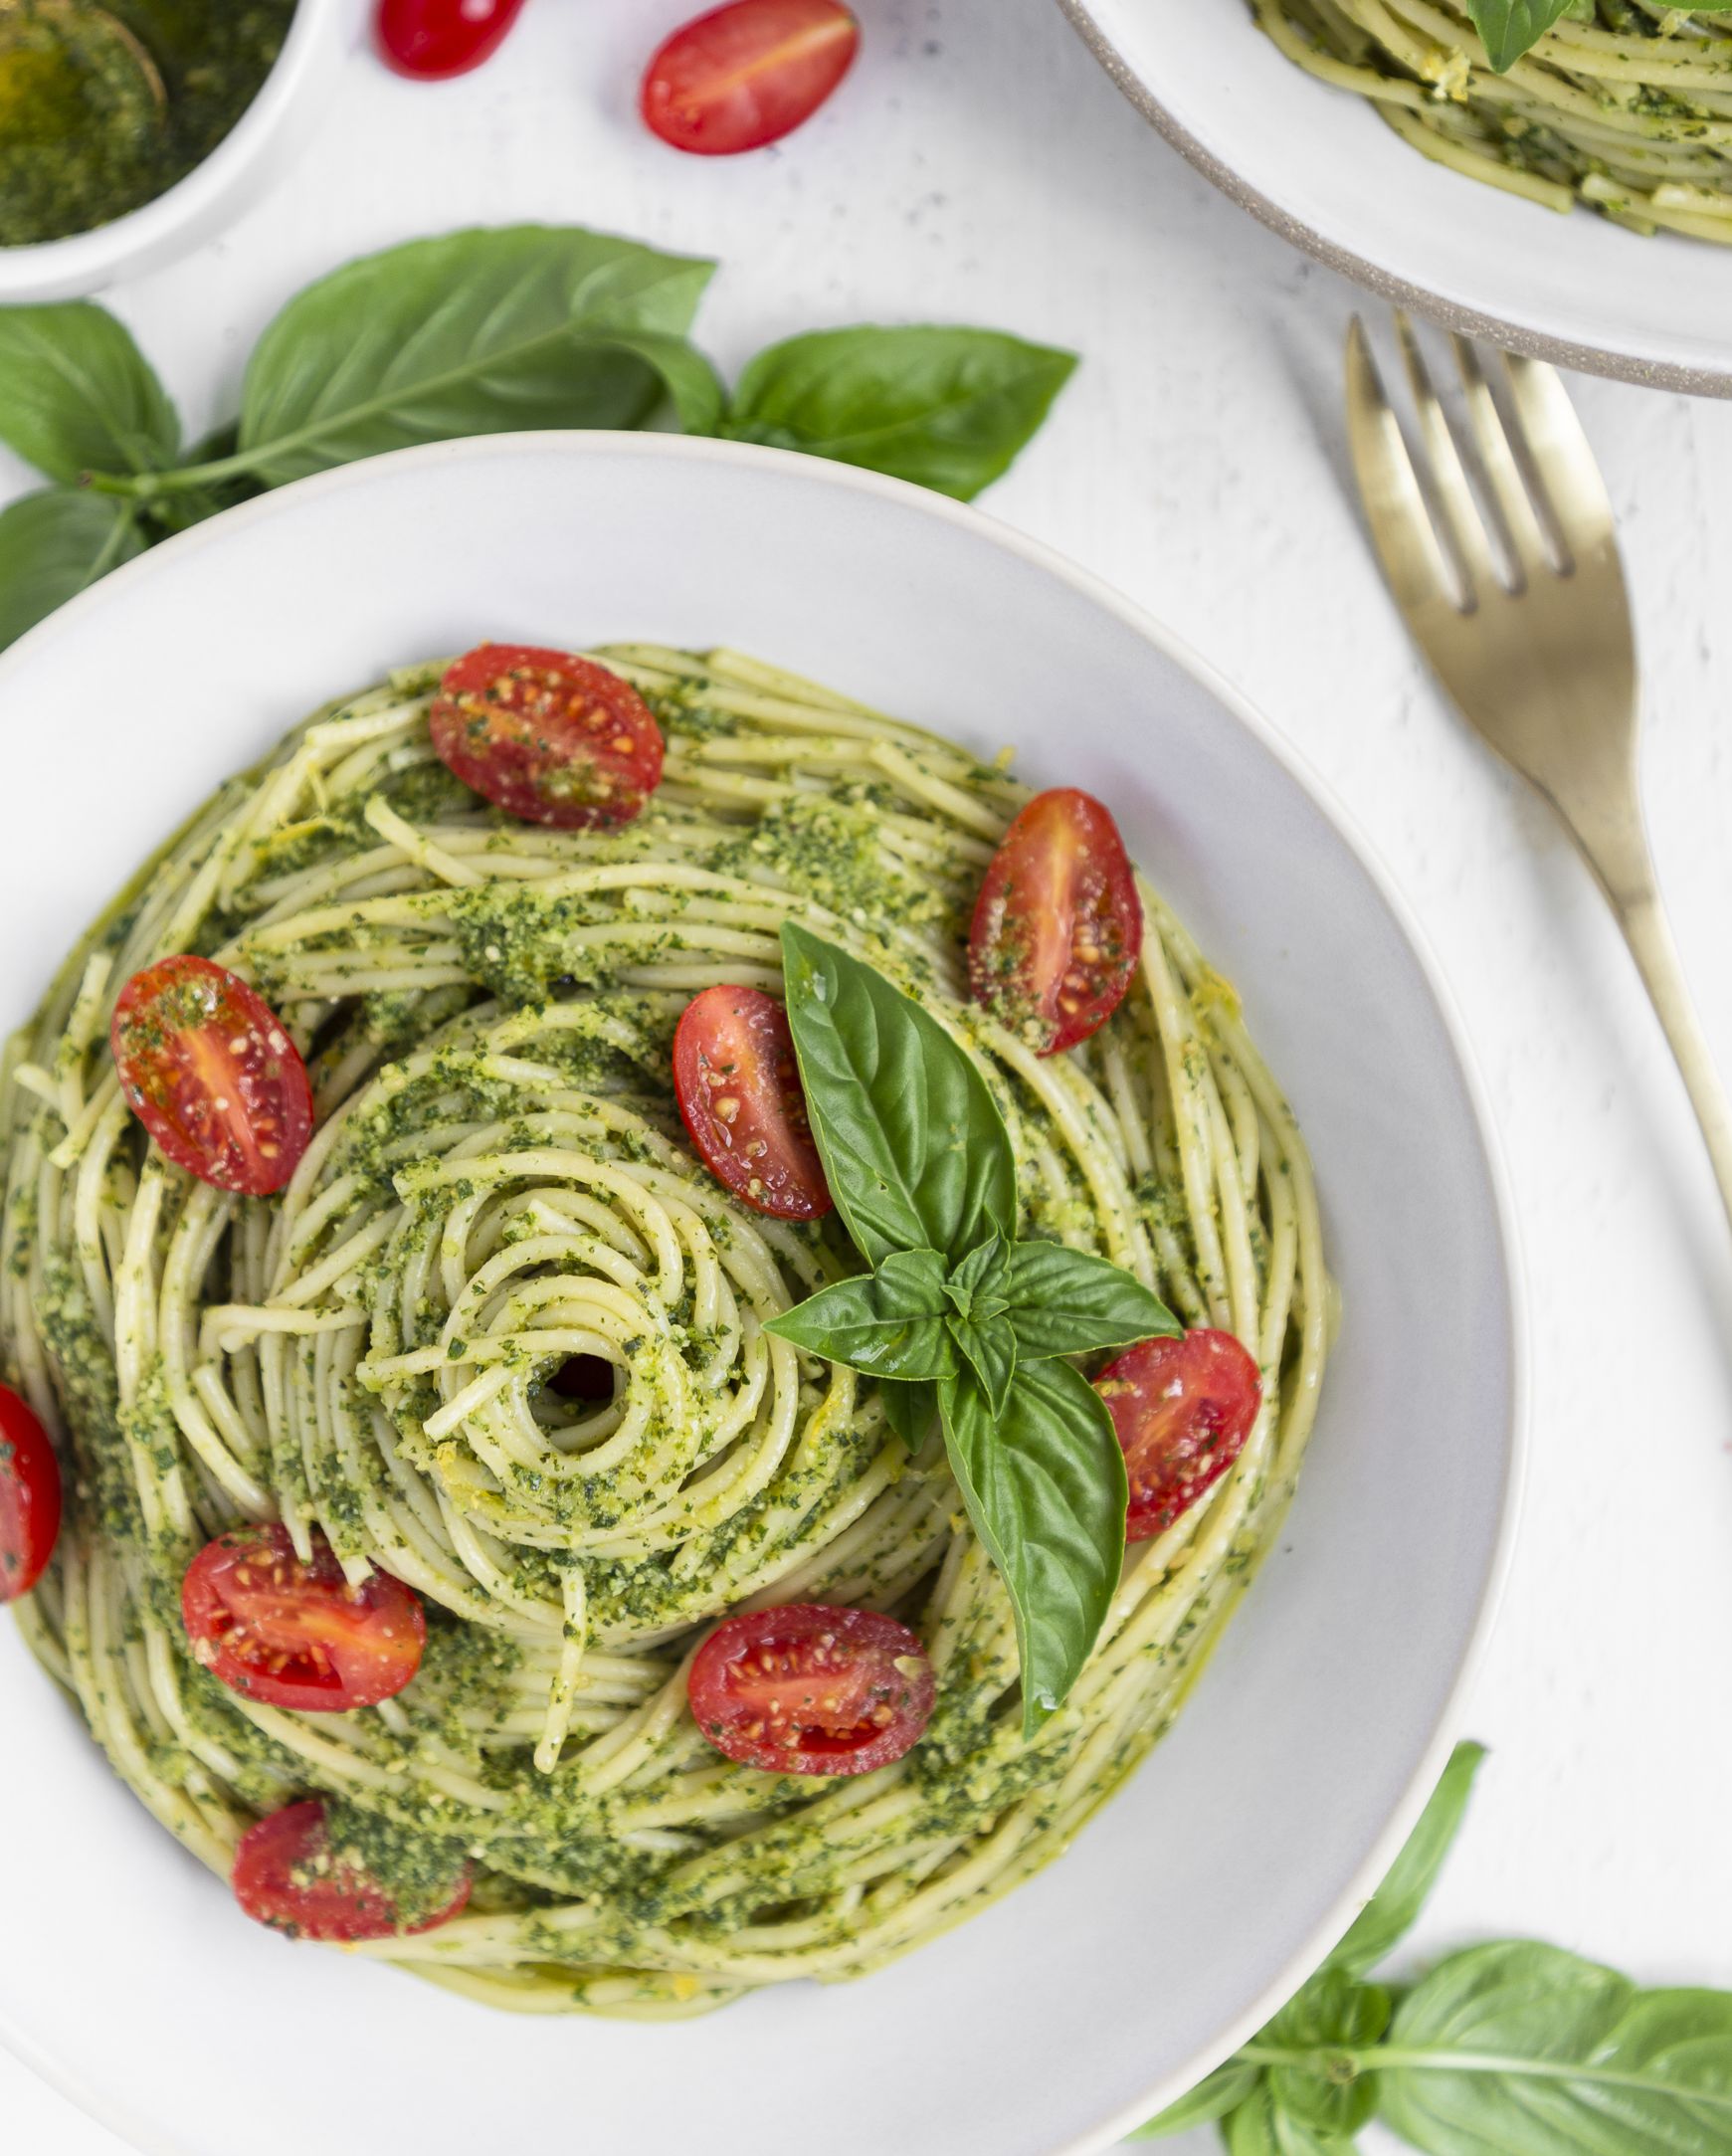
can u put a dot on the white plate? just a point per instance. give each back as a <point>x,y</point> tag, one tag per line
<point>1318,165</point>
<point>1188,1910</point>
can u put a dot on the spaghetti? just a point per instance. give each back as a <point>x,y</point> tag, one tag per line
<point>498,1187</point>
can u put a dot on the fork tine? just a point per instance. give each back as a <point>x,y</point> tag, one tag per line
<point>1562,459</point>
<point>1462,526</point>
<point>1514,503</point>
<point>1401,524</point>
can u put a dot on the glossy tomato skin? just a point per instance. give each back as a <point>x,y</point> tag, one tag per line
<point>740,1097</point>
<point>208,1069</point>
<point>746,75</point>
<point>547,736</point>
<point>1183,1410</point>
<point>1058,926</point>
<point>295,1635</point>
<point>286,1875</point>
<point>30,1497</point>
<point>433,40</point>
<point>811,1690</point>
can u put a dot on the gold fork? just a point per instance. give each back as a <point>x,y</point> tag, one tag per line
<point>1536,647</point>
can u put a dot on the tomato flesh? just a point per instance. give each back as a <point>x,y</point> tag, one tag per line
<point>295,1635</point>
<point>1183,1410</point>
<point>433,40</point>
<point>209,1070</point>
<point>811,1690</point>
<point>547,736</point>
<point>746,75</point>
<point>30,1497</point>
<point>739,1091</point>
<point>1058,926</point>
<point>289,1876</point>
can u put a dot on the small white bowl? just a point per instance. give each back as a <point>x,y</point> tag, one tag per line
<point>262,141</point>
<point>1192,1907</point>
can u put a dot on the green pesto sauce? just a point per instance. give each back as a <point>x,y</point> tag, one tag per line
<point>104,107</point>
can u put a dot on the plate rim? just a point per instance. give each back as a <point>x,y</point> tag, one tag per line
<point>1665,375</point>
<point>1035,553</point>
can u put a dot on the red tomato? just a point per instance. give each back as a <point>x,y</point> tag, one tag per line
<point>434,38</point>
<point>740,1095</point>
<point>749,74</point>
<point>808,1689</point>
<point>547,736</point>
<point>208,1069</point>
<point>1058,926</point>
<point>1183,1410</point>
<point>286,1875</point>
<point>291,1635</point>
<point>29,1497</point>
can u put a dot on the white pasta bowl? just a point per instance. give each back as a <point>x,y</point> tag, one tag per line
<point>1323,169</point>
<point>1188,1909</point>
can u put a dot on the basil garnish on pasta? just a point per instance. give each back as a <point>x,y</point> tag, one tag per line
<point>923,1174</point>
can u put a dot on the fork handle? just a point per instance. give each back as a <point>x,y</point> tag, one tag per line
<point>1649,933</point>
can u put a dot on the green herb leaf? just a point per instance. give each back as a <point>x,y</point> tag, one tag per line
<point>889,1324</point>
<point>694,387</point>
<point>1507,28</point>
<point>989,1347</point>
<point>946,408</point>
<point>1214,2096</point>
<point>1065,1303</point>
<point>1332,2013</point>
<point>1391,1912</point>
<point>1521,2047</point>
<point>54,543</point>
<point>77,394</point>
<point>913,1146</point>
<point>976,1284</point>
<point>1045,1486</point>
<point>479,332</point>
<point>910,1409</point>
<point>1259,2127</point>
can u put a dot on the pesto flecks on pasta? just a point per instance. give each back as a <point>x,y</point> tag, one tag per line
<point>1623,105</point>
<point>453,1555</point>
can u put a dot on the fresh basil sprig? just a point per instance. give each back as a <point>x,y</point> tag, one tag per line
<point>1511,2048</point>
<point>956,1316</point>
<point>475,332</point>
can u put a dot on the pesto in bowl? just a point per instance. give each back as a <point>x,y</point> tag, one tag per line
<point>104,107</point>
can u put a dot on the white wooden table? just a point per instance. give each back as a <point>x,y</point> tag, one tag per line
<point>978,166</point>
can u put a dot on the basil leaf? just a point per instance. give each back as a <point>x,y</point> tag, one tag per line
<point>945,408</point>
<point>477,333</point>
<point>1521,2046</point>
<point>889,1323</point>
<point>1260,2128</point>
<point>54,543</point>
<point>1507,28</point>
<point>1390,1914</point>
<point>1045,1486</point>
<point>914,1149</point>
<point>910,1409</point>
<point>1331,2011</point>
<point>693,386</point>
<point>989,1347</point>
<point>1065,1303</point>
<point>976,1286</point>
<point>1214,2096</point>
<point>77,394</point>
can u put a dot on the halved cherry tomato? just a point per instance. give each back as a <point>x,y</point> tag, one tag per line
<point>740,1095</point>
<point>1183,1410</point>
<point>288,1875</point>
<point>547,736</point>
<point>433,40</point>
<point>809,1689</point>
<point>749,74</point>
<point>294,1634</point>
<point>29,1497</point>
<point>208,1069</point>
<point>1058,926</point>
